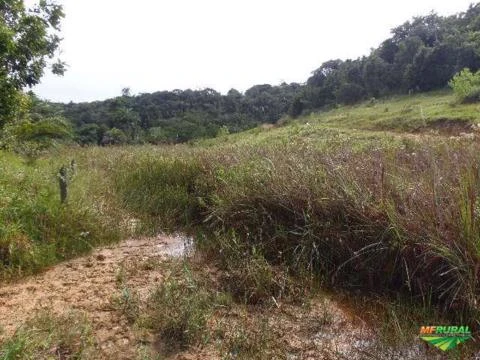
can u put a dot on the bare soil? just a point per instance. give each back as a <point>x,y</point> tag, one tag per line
<point>88,284</point>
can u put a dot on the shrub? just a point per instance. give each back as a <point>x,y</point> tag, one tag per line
<point>350,93</point>
<point>114,136</point>
<point>466,86</point>
<point>34,138</point>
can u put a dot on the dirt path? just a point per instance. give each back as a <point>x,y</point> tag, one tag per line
<point>88,284</point>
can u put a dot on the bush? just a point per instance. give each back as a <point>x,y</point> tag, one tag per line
<point>350,93</point>
<point>114,136</point>
<point>34,138</point>
<point>466,86</point>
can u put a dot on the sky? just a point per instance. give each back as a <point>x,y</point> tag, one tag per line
<point>153,45</point>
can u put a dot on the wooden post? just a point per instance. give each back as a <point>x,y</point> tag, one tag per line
<point>73,167</point>
<point>63,182</point>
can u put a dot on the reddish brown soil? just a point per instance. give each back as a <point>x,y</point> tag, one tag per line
<point>89,284</point>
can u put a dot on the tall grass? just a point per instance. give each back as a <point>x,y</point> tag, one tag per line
<point>162,189</point>
<point>356,209</point>
<point>380,216</point>
<point>36,229</point>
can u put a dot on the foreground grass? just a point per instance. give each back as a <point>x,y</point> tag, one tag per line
<point>49,336</point>
<point>191,314</point>
<point>380,217</point>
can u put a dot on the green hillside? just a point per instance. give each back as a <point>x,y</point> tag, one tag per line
<point>431,114</point>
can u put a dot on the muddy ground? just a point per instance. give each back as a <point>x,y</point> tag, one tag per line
<point>323,330</point>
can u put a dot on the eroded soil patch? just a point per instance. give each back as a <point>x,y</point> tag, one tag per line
<point>88,284</point>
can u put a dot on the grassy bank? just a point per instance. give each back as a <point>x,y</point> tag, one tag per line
<point>384,218</point>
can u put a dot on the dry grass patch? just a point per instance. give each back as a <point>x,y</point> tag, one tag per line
<point>49,336</point>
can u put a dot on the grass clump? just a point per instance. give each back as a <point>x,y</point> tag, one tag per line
<point>373,215</point>
<point>128,303</point>
<point>179,308</point>
<point>254,281</point>
<point>249,277</point>
<point>49,336</point>
<point>164,189</point>
<point>128,300</point>
<point>253,340</point>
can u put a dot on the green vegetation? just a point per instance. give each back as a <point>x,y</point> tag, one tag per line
<point>50,336</point>
<point>355,208</point>
<point>371,198</point>
<point>466,86</point>
<point>179,308</point>
<point>161,183</point>
<point>36,230</point>
<point>423,54</point>
<point>190,309</point>
<point>29,37</point>
<point>176,116</point>
<point>358,209</point>
<point>244,341</point>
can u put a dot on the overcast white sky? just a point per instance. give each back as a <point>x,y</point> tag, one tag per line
<point>151,45</point>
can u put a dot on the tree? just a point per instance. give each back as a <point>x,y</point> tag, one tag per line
<point>28,41</point>
<point>296,108</point>
<point>126,92</point>
<point>350,93</point>
<point>89,134</point>
<point>114,136</point>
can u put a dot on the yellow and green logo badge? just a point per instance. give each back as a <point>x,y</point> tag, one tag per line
<point>445,337</point>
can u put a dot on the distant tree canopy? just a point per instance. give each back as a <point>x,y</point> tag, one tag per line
<point>178,115</point>
<point>421,55</point>
<point>28,38</point>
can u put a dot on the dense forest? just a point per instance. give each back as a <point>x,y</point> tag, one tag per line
<point>421,55</point>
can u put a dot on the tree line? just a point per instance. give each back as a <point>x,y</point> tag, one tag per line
<point>422,54</point>
<point>177,116</point>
